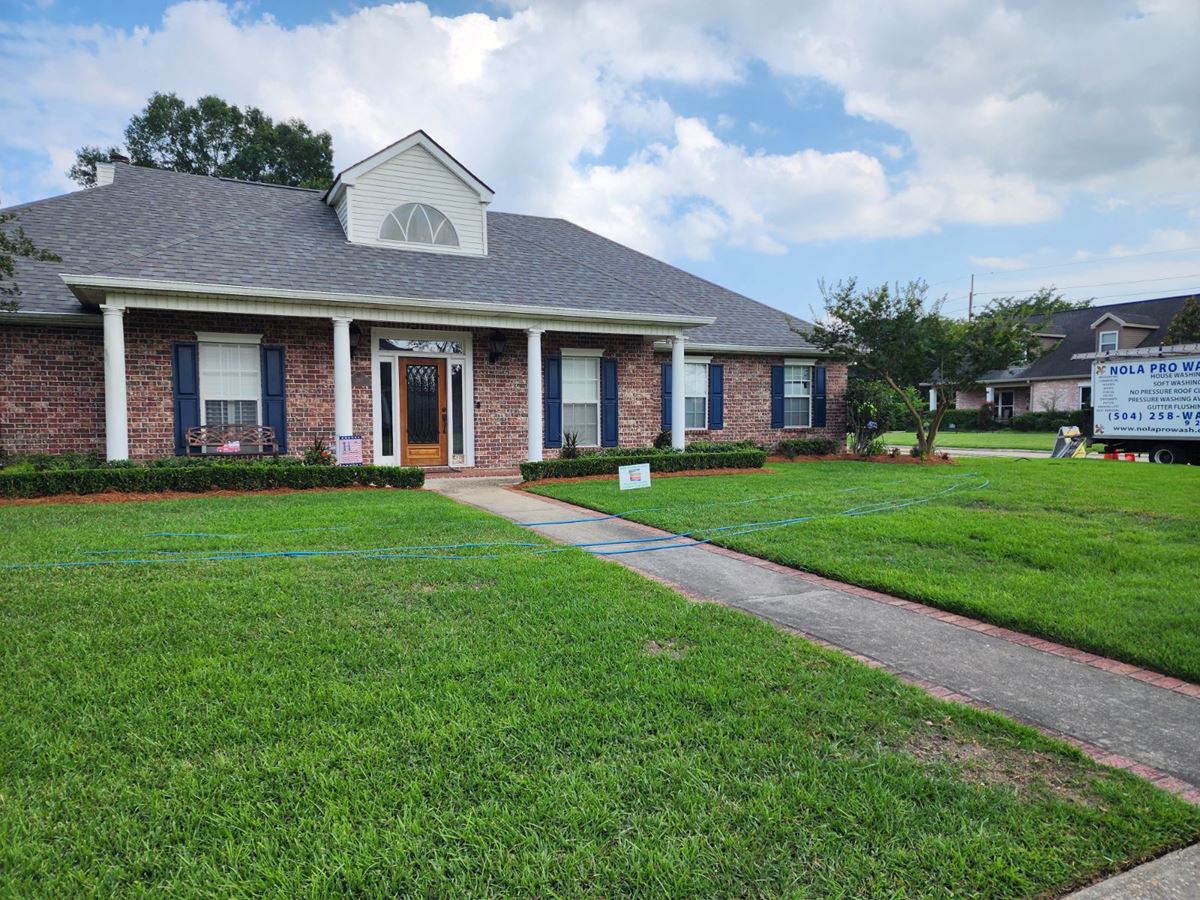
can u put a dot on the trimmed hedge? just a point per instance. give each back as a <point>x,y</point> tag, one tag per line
<point>1047,421</point>
<point>659,462</point>
<point>200,478</point>
<point>809,447</point>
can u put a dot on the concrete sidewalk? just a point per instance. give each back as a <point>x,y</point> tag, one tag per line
<point>1151,725</point>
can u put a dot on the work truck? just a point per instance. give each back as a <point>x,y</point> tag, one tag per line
<point>1147,400</point>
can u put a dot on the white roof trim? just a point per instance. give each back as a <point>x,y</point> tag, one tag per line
<point>766,350</point>
<point>549,313</point>
<point>417,139</point>
<point>1122,322</point>
<point>1142,352</point>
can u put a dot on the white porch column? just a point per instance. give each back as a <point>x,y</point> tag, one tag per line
<point>533,378</point>
<point>343,397</point>
<point>116,407</point>
<point>678,406</point>
<point>933,399</point>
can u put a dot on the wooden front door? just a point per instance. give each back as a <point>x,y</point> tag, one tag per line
<point>423,411</point>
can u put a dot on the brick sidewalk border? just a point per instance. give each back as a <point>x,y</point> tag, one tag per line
<point>1169,783</point>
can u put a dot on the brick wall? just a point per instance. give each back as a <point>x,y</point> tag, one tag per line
<point>51,389</point>
<point>56,396</point>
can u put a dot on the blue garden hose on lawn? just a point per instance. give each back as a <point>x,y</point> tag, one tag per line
<point>615,547</point>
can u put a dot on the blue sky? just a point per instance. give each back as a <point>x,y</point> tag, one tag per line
<point>762,146</point>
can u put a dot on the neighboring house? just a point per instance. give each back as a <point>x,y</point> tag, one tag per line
<point>1054,381</point>
<point>395,306</point>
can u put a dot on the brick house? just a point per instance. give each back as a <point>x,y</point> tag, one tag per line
<point>1054,382</point>
<point>393,306</point>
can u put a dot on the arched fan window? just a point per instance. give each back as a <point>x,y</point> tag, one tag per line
<point>416,223</point>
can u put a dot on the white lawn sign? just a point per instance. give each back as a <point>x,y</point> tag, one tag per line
<point>633,477</point>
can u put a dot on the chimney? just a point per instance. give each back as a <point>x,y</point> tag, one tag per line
<point>116,157</point>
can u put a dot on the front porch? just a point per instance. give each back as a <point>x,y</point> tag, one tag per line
<point>417,393</point>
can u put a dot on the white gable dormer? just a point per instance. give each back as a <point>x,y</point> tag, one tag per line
<point>413,195</point>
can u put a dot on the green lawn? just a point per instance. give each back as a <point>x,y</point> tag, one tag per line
<point>1101,556</point>
<point>546,724</point>
<point>983,440</point>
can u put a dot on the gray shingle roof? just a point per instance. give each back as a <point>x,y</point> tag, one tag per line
<point>1076,324</point>
<point>155,224</point>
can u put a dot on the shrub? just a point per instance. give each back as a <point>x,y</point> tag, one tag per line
<point>1047,421</point>
<point>808,447</point>
<point>960,419</point>
<point>199,478</point>
<point>720,446</point>
<point>570,446</point>
<point>603,464</point>
<point>662,441</point>
<point>877,447</point>
<point>985,416</point>
<point>872,407</point>
<point>216,459</point>
<point>318,454</point>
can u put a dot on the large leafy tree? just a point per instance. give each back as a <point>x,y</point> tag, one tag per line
<point>1185,327</point>
<point>14,243</point>
<point>894,334</point>
<point>212,137</point>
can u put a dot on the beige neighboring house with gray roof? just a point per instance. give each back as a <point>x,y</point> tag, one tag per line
<point>1055,381</point>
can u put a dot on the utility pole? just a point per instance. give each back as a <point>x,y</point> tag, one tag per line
<point>971,298</point>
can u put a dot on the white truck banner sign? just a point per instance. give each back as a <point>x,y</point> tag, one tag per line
<point>1147,398</point>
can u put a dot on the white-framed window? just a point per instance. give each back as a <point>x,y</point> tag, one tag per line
<point>230,383</point>
<point>1108,341</point>
<point>418,223</point>
<point>695,393</point>
<point>581,398</point>
<point>797,396</point>
<point>1006,402</point>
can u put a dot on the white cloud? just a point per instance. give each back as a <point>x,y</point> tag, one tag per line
<point>1008,110</point>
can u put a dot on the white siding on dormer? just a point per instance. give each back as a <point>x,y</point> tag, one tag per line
<point>343,211</point>
<point>416,177</point>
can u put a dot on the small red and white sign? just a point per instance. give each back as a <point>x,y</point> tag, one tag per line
<point>230,447</point>
<point>349,450</point>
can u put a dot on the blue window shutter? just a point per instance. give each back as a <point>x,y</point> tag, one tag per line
<point>608,403</point>
<point>776,396</point>
<point>716,396</point>
<point>552,388</point>
<point>185,388</point>
<point>666,396</point>
<point>818,398</point>
<point>274,400</point>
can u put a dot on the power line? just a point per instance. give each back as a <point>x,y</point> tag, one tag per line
<point>1071,287</point>
<point>1183,293</point>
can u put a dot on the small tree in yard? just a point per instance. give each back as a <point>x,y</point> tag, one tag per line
<point>896,336</point>
<point>14,242</point>
<point>1185,327</point>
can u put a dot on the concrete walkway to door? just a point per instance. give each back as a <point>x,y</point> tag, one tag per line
<point>1115,718</point>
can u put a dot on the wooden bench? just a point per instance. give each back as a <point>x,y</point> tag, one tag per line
<point>212,438</point>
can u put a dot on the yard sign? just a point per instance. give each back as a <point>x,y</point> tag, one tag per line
<point>635,476</point>
<point>349,450</point>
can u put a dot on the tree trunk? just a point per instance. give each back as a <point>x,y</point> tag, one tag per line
<point>916,414</point>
